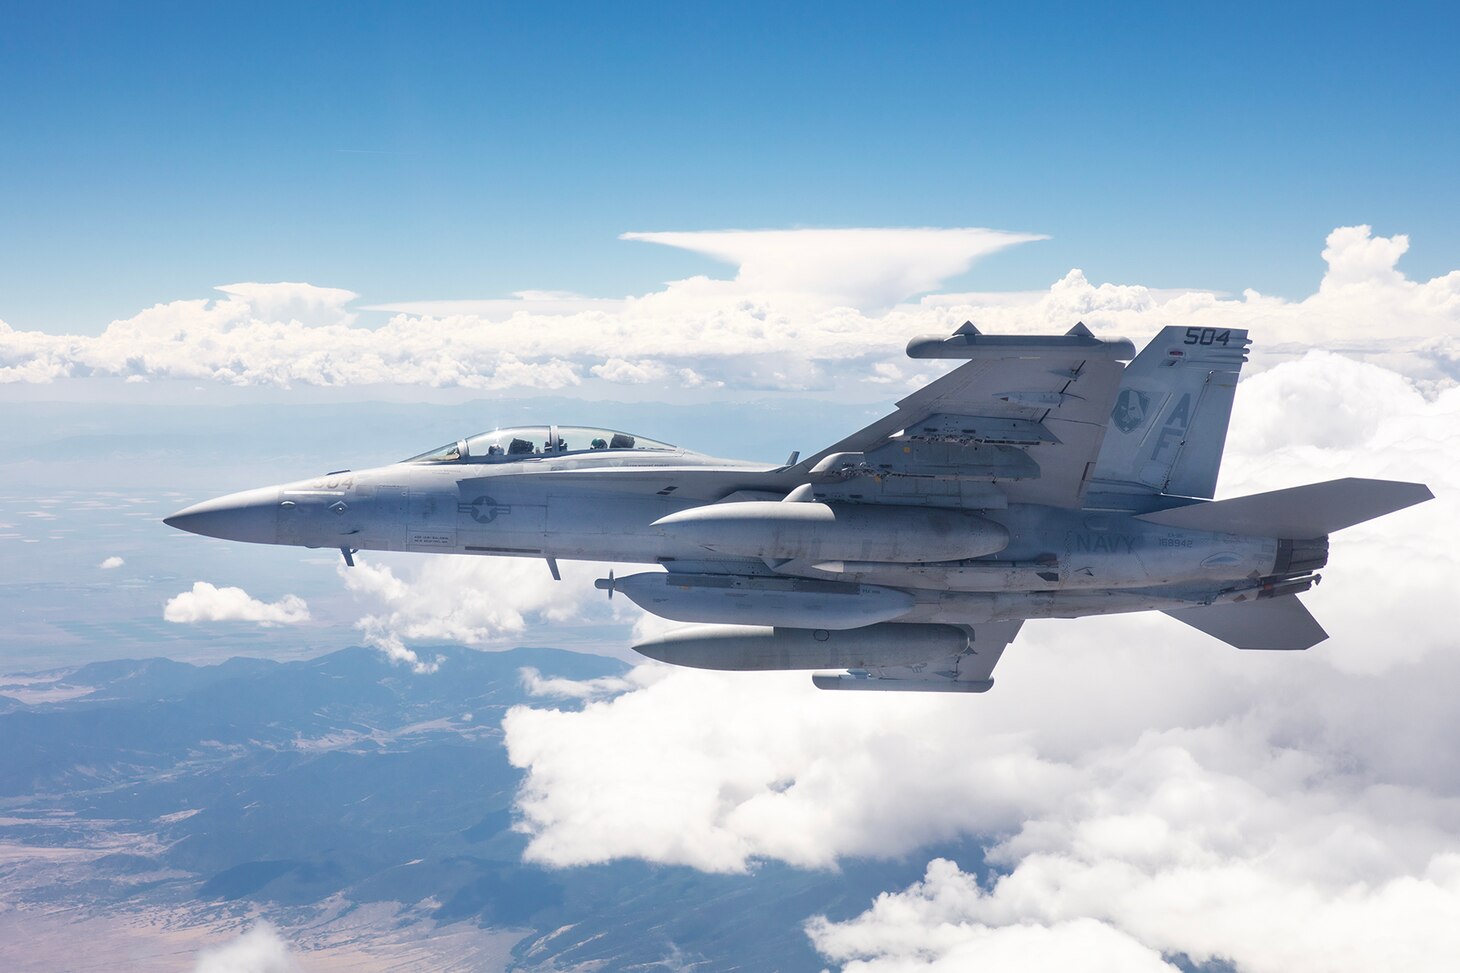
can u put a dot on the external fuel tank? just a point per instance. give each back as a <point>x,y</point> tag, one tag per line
<point>745,647</point>
<point>835,532</point>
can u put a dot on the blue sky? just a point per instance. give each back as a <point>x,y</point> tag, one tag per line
<point>451,151</point>
<point>381,154</point>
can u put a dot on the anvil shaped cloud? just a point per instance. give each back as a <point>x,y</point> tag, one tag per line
<point>866,268</point>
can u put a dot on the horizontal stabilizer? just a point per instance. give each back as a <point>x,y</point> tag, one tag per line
<point>1306,511</point>
<point>1272,623</point>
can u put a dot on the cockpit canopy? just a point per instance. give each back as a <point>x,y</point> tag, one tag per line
<point>524,442</point>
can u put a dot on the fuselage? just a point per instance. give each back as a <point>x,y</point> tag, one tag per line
<point>611,505</point>
<point>1041,478</point>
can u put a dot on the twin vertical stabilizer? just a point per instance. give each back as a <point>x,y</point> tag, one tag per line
<point>1169,425</point>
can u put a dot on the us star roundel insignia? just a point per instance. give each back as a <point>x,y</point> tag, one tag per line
<point>484,509</point>
<point>1130,410</point>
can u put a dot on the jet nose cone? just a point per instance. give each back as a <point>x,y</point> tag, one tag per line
<point>251,516</point>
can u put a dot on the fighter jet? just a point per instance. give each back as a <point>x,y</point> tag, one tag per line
<point>1044,477</point>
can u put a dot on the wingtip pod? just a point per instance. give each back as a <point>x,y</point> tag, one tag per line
<point>746,648</point>
<point>969,342</point>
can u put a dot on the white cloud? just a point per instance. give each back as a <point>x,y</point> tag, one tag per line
<point>478,601</point>
<point>501,309</point>
<point>1324,417</point>
<point>111,563</point>
<point>536,685</point>
<point>1144,790</point>
<point>630,373</point>
<point>1177,857</point>
<point>928,928</point>
<point>756,767</point>
<point>871,268</point>
<point>764,767</point>
<point>808,309</point>
<point>459,598</point>
<point>260,950</point>
<point>394,649</point>
<point>208,603</point>
<point>294,301</point>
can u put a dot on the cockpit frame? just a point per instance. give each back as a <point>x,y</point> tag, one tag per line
<point>517,443</point>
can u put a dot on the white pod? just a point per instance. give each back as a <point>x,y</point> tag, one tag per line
<point>793,602</point>
<point>743,647</point>
<point>836,532</point>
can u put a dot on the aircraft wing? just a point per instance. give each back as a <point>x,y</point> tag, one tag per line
<point>971,671</point>
<point>1024,418</point>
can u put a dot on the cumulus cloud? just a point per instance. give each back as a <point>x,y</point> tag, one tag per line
<point>630,373</point>
<point>209,603</point>
<point>260,950</point>
<point>475,601</point>
<point>459,598</point>
<point>1324,417</point>
<point>924,929</point>
<point>111,563</point>
<point>538,685</point>
<point>757,767</point>
<point>395,649</point>
<point>1142,791</point>
<point>807,309</point>
<point>1183,845</point>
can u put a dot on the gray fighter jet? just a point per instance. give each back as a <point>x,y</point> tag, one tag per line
<point>1041,478</point>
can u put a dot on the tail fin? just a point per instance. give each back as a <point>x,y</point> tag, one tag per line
<point>1169,425</point>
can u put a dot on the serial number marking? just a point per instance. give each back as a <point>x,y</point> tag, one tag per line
<point>1208,336</point>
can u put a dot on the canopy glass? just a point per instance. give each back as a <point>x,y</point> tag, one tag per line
<point>525,442</point>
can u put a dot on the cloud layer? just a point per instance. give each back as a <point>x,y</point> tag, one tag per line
<point>209,603</point>
<point>1124,901</point>
<point>1144,791</point>
<point>1141,790</point>
<point>808,309</point>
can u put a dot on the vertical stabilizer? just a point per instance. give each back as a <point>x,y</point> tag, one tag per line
<point>1169,424</point>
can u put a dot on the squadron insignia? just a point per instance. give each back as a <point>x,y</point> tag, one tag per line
<point>1130,410</point>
